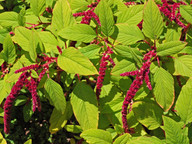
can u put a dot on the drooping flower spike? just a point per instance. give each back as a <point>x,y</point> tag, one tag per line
<point>141,75</point>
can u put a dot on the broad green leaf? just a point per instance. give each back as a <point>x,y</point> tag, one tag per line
<point>186,12</point>
<point>9,52</point>
<point>84,103</point>
<point>33,42</point>
<point>131,16</point>
<point>49,41</point>
<point>148,113</point>
<point>173,34</point>
<point>55,95</point>
<point>125,51</point>
<point>91,51</point>
<point>73,61</point>
<point>27,112</point>
<point>105,15</point>
<point>152,20</point>
<point>62,16</point>
<point>2,140</point>
<point>3,34</point>
<point>97,136</point>
<point>78,4</point>
<point>129,34</point>
<point>113,106</point>
<point>22,37</point>
<point>28,142</point>
<point>170,48</point>
<point>174,133</point>
<point>3,90</point>
<point>20,100</point>
<point>123,66</point>
<point>73,128</point>
<point>9,19</point>
<point>164,89</point>
<point>21,17</point>
<point>123,139</point>
<point>183,105</point>
<point>78,32</point>
<point>58,120</point>
<point>145,140</point>
<point>38,6</point>
<point>183,65</point>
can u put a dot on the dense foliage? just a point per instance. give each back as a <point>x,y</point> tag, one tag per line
<point>96,71</point>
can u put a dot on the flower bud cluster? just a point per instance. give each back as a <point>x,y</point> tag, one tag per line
<point>141,75</point>
<point>10,99</point>
<point>130,3</point>
<point>87,17</point>
<point>34,67</point>
<point>170,10</point>
<point>30,84</point>
<point>103,66</point>
<point>32,87</point>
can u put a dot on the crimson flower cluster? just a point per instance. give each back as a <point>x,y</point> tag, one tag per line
<point>171,10</point>
<point>31,85</point>
<point>102,69</point>
<point>87,17</point>
<point>141,75</point>
<point>11,98</point>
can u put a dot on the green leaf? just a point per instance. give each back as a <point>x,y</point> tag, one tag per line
<point>186,12</point>
<point>183,105</point>
<point>22,37</point>
<point>58,120</point>
<point>28,142</point>
<point>33,42</point>
<point>131,16</point>
<point>170,48</point>
<point>38,6</point>
<point>123,139</point>
<point>21,17</point>
<point>183,65</point>
<point>55,95</point>
<point>113,106</point>
<point>129,34</point>
<point>148,113</point>
<point>2,140</point>
<point>91,51</point>
<point>20,100</point>
<point>105,15</point>
<point>123,66</point>
<point>73,128</point>
<point>3,34</point>
<point>3,90</point>
<point>97,136</point>
<point>73,61</point>
<point>164,89</point>
<point>125,51</point>
<point>173,34</point>
<point>145,140</point>
<point>78,32</point>
<point>9,53</point>
<point>49,41</point>
<point>9,19</point>
<point>174,132</point>
<point>152,20</point>
<point>62,16</point>
<point>84,103</point>
<point>27,112</point>
<point>34,74</point>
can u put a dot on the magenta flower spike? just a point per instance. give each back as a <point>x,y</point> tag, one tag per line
<point>10,100</point>
<point>141,75</point>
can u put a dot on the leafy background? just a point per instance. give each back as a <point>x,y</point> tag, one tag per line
<point>71,112</point>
